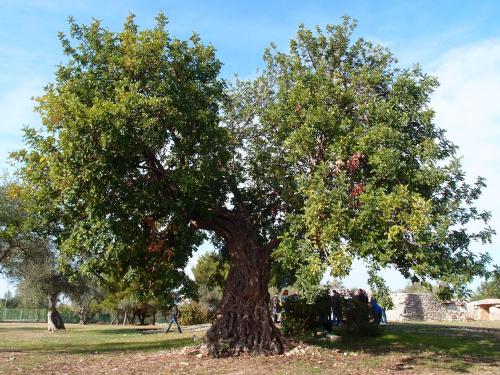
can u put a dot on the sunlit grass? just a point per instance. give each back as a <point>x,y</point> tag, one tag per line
<point>449,347</point>
<point>88,339</point>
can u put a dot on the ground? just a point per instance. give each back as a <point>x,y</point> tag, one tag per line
<point>409,348</point>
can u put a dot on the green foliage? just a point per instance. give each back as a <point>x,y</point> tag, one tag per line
<point>29,296</point>
<point>211,270</point>
<point>10,300</point>
<point>298,316</point>
<point>342,145</point>
<point>380,290</point>
<point>34,267</point>
<point>13,234</point>
<point>490,288</point>
<point>124,302</point>
<point>335,284</point>
<point>417,288</point>
<point>360,318</point>
<point>194,313</point>
<point>68,314</point>
<point>210,273</point>
<point>331,153</point>
<point>131,119</point>
<point>440,292</point>
<point>444,292</point>
<point>85,294</point>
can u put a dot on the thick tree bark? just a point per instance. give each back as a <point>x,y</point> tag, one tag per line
<point>243,321</point>
<point>54,319</point>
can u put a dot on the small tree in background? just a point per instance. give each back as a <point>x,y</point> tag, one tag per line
<point>417,288</point>
<point>335,284</point>
<point>36,270</point>
<point>490,288</point>
<point>210,273</point>
<point>84,293</point>
<point>31,257</point>
<point>10,300</point>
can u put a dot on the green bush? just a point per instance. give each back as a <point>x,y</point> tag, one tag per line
<point>299,316</point>
<point>360,318</point>
<point>67,314</point>
<point>194,313</point>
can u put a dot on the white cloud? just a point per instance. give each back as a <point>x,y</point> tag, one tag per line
<point>467,105</point>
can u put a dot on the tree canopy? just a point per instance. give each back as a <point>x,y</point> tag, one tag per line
<point>343,153</point>
<point>129,113</point>
<point>330,154</point>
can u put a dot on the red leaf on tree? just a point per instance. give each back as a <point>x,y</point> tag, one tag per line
<point>354,161</point>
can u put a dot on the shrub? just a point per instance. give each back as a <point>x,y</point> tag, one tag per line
<point>67,314</point>
<point>299,316</point>
<point>360,318</point>
<point>194,313</point>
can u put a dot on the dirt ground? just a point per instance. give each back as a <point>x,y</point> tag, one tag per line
<point>299,358</point>
<point>303,359</point>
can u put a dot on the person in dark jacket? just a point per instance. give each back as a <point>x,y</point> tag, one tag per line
<point>174,315</point>
<point>275,309</point>
<point>337,308</point>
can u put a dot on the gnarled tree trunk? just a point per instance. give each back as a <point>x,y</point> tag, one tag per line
<point>243,321</point>
<point>54,319</point>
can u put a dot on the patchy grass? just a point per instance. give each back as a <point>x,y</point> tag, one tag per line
<point>78,339</point>
<point>30,346</point>
<point>410,348</point>
<point>456,346</point>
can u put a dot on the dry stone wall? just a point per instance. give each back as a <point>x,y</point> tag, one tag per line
<point>423,306</point>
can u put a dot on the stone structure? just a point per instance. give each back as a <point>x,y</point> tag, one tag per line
<point>486,309</point>
<point>423,306</point>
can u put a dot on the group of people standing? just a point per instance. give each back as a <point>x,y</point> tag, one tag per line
<point>339,303</point>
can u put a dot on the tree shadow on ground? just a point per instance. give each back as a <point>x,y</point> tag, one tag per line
<point>110,347</point>
<point>28,329</point>
<point>452,347</point>
<point>121,331</point>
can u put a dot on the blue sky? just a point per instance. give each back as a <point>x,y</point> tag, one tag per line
<point>458,41</point>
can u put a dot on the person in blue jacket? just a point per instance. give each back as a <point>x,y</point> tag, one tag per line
<point>377,310</point>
